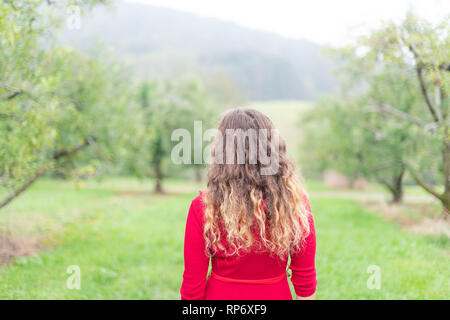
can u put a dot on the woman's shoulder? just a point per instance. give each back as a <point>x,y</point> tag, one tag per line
<point>198,200</point>
<point>198,203</point>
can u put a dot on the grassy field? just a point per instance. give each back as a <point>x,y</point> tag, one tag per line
<point>128,244</point>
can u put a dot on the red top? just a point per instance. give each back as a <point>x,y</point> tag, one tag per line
<point>252,275</point>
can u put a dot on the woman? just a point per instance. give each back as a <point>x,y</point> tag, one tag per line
<point>249,223</point>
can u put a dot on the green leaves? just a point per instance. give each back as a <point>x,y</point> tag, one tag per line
<point>59,109</point>
<point>393,92</point>
<point>167,106</point>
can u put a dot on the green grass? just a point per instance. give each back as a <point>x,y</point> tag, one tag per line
<point>371,187</point>
<point>129,244</point>
<point>351,239</point>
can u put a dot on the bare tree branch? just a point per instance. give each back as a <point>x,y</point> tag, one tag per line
<point>10,115</point>
<point>383,108</point>
<point>11,95</point>
<point>68,152</point>
<point>423,87</point>
<point>23,187</point>
<point>423,183</point>
<point>14,92</point>
<point>386,183</point>
<point>386,165</point>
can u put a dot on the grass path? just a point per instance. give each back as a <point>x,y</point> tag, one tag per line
<point>128,244</point>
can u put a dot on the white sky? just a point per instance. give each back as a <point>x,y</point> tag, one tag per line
<point>322,21</point>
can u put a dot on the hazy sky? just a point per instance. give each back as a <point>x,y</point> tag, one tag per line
<point>322,21</point>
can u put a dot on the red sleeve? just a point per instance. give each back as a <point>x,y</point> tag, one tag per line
<point>196,262</point>
<point>303,263</point>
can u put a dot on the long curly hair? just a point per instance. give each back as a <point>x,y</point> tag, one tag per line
<point>246,209</point>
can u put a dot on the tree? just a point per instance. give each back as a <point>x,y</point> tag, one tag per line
<point>170,105</point>
<point>388,81</point>
<point>341,135</point>
<point>59,110</point>
<point>418,50</point>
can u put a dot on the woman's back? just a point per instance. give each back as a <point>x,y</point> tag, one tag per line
<point>251,218</point>
<point>251,275</point>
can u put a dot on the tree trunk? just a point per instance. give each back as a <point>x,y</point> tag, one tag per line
<point>446,208</point>
<point>397,197</point>
<point>158,176</point>
<point>395,186</point>
<point>397,190</point>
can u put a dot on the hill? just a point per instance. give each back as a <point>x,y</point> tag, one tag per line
<point>162,42</point>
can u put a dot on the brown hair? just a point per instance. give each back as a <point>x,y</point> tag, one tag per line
<point>242,204</point>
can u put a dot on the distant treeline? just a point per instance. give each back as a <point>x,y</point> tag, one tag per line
<point>162,42</point>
